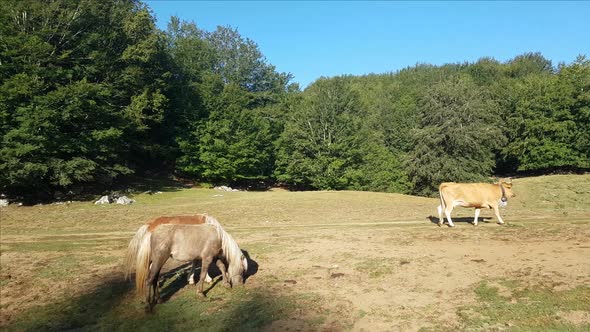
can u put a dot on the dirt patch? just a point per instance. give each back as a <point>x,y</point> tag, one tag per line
<point>576,317</point>
<point>345,260</point>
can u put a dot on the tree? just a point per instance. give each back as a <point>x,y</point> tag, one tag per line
<point>83,93</point>
<point>239,61</point>
<point>458,133</point>
<point>550,120</point>
<point>322,137</point>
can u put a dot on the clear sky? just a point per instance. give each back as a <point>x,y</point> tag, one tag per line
<point>310,39</point>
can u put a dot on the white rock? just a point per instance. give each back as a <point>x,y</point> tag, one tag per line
<point>103,200</point>
<point>124,200</point>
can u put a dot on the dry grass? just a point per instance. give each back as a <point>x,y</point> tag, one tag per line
<point>363,260</point>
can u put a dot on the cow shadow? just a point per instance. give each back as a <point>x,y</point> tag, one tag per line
<point>466,220</point>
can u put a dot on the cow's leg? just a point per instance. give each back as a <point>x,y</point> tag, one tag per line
<point>497,212</point>
<point>476,216</point>
<point>440,215</point>
<point>448,211</point>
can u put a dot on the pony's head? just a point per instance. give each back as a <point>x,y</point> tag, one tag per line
<point>238,264</point>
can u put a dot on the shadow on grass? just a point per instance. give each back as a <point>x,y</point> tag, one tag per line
<point>112,306</point>
<point>175,279</point>
<point>467,220</point>
<point>75,312</point>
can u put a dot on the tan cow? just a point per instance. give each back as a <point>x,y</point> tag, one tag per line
<point>475,195</point>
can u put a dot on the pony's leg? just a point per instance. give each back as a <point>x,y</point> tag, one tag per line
<point>205,262</point>
<point>191,273</point>
<point>151,282</point>
<point>221,267</point>
<point>191,276</point>
<point>476,216</point>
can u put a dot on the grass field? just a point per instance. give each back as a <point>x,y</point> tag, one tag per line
<point>321,261</point>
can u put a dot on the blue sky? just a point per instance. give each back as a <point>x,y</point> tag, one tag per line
<point>311,39</point>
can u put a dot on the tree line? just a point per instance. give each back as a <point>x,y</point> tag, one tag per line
<point>92,92</point>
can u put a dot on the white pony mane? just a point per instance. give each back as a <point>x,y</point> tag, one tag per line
<point>232,252</point>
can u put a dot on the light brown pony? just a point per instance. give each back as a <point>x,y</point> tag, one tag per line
<point>182,243</point>
<point>230,247</point>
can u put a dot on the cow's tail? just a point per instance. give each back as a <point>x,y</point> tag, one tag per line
<point>143,263</point>
<point>442,205</point>
<point>132,249</point>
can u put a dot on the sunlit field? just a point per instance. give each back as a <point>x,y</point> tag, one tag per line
<point>318,261</point>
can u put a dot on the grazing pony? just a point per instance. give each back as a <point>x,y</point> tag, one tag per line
<point>230,249</point>
<point>180,242</point>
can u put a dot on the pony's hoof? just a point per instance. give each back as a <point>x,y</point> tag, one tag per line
<point>201,294</point>
<point>439,224</point>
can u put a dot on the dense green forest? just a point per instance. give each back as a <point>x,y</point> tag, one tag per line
<point>92,92</point>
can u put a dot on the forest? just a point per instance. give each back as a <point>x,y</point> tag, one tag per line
<point>92,93</point>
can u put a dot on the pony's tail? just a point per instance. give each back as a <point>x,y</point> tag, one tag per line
<point>132,249</point>
<point>143,263</point>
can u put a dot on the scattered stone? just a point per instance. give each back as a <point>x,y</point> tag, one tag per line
<point>3,202</point>
<point>104,200</point>
<point>124,200</point>
<point>225,188</point>
<point>292,282</point>
<point>480,260</point>
<point>336,275</point>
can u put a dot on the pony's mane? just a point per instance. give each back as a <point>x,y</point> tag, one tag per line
<point>232,252</point>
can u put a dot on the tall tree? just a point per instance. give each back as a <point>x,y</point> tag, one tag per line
<point>458,133</point>
<point>550,120</point>
<point>321,141</point>
<point>82,94</point>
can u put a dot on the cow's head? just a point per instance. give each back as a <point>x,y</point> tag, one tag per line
<point>507,184</point>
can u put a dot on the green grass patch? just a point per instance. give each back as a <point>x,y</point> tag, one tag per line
<point>58,268</point>
<point>113,306</point>
<point>376,267</point>
<point>59,246</point>
<point>521,308</point>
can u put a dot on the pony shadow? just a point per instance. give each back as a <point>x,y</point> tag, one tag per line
<point>179,276</point>
<point>467,220</point>
<point>252,266</point>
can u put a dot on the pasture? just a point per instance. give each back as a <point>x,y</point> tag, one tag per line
<point>321,261</point>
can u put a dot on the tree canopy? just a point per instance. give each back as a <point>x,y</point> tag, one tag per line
<point>92,92</point>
